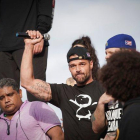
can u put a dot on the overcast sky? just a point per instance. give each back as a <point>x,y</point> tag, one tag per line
<point>98,19</point>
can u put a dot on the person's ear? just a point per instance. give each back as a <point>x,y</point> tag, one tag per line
<point>20,93</point>
<point>91,64</point>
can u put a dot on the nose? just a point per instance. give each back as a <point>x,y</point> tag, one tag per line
<point>107,56</point>
<point>78,68</point>
<point>7,99</point>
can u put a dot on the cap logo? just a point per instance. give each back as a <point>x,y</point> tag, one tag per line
<point>127,42</point>
<point>106,44</point>
<point>88,54</point>
<point>80,57</point>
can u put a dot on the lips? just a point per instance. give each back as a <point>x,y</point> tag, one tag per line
<point>79,74</point>
<point>7,106</point>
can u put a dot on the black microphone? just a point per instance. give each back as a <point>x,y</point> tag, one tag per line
<point>21,34</point>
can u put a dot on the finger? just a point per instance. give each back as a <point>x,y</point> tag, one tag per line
<point>29,32</point>
<point>41,48</point>
<point>39,35</point>
<point>31,35</point>
<point>34,34</point>
<point>34,49</point>
<point>37,50</point>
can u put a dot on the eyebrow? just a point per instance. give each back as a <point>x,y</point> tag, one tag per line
<point>108,52</point>
<point>71,64</point>
<point>81,62</point>
<point>1,95</point>
<point>10,93</point>
<point>7,94</point>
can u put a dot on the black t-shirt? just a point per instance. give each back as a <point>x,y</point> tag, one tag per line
<point>77,104</point>
<point>113,112</point>
<point>129,128</point>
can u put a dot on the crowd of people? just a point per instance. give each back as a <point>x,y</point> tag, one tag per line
<point>96,103</point>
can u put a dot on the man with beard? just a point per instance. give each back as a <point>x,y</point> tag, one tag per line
<point>78,102</point>
<point>122,74</point>
<point>109,112</point>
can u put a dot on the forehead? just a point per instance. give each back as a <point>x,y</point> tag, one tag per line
<point>73,56</point>
<point>112,50</point>
<point>79,45</point>
<point>76,62</point>
<point>6,90</point>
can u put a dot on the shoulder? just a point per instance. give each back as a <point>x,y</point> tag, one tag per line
<point>97,85</point>
<point>131,114</point>
<point>60,87</point>
<point>132,110</point>
<point>38,106</point>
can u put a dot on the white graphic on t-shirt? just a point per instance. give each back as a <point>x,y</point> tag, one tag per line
<point>113,115</point>
<point>83,106</point>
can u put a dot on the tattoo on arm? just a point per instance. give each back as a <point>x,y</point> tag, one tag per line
<point>41,91</point>
<point>92,117</point>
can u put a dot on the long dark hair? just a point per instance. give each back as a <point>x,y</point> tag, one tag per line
<point>86,42</point>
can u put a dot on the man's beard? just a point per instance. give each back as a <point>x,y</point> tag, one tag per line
<point>81,80</point>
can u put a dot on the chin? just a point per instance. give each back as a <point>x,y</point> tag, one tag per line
<point>81,82</point>
<point>10,112</point>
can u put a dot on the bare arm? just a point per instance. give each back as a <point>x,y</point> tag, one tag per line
<point>38,88</point>
<point>56,133</point>
<point>98,117</point>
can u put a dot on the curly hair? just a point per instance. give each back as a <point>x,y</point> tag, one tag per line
<point>8,82</point>
<point>86,42</point>
<point>121,75</point>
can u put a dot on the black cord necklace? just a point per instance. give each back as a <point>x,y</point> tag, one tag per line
<point>8,126</point>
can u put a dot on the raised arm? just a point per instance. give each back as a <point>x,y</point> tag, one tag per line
<point>98,117</point>
<point>40,89</point>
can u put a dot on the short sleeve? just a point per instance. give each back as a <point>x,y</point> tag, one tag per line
<point>56,94</point>
<point>45,116</point>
